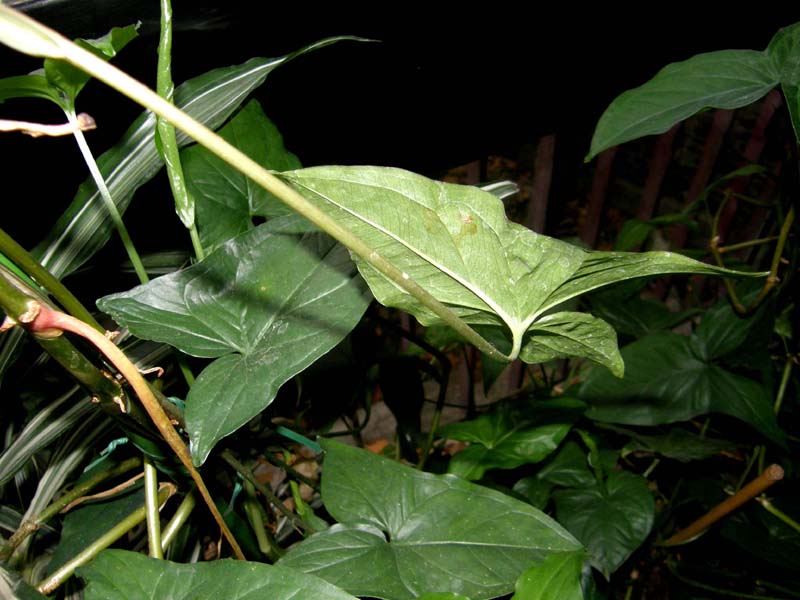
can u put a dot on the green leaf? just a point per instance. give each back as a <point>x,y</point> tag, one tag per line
<point>226,200</point>
<point>611,519</point>
<point>569,468</point>
<point>724,79</point>
<point>513,449</point>
<point>267,304</point>
<point>34,85</point>
<point>122,575</point>
<point>535,491</point>
<point>558,577</point>
<point>83,525</point>
<point>456,242</point>
<point>677,443</point>
<point>442,596</point>
<point>85,226</point>
<point>399,535</point>
<point>68,79</point>
<point>572,334</point>
<point>784,51</point>
<point>667,380</point>
<point>723,331</point>
<point>629,314</point>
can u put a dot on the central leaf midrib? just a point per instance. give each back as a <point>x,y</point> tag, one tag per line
<point>471,286</point>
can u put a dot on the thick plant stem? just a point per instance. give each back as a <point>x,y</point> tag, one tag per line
<point>97,176</point>
<point>34,38</point>
<point>42,276</point>
<point>184,204</point>
<point>177,521</point>
<point>50,584</point>
<point>81,489</point>
<point>151,504</point>
<point>771,474</point>
<point>41,319</point>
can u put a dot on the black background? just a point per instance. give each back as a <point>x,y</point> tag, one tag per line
<point>444,86</point>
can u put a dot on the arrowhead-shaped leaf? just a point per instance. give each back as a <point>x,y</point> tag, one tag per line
<point>399,536</point>
<point>457,243</point>
<point>85,226</point>
<point>558,577</point>
<point>268,304</point>
<point>612,519</point>
<point>226,201</point>
<point>668,380</point>
<point>122,575</point>
<point>70,79</point>
<point>724,79</point>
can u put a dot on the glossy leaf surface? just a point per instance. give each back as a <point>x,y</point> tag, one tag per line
<point>784,51</point>
<point>226,200</point>
<point>398,535</point>
<point>668,379</point>
<point>558,577</point>
<point>211,98</point>
<point>612,519</point>
<point>121,575</point>
<point>724,79</point>
<point>457,243</point>
<point>677,443</point>
<point>267,304</point>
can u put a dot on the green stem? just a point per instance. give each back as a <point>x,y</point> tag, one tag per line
<point>268,494</point>
<point>42,276</point>
<point>271,458</point>
<point>184,204</point>
<point>177,521</point>
<point>747,244</point>
<point>771,508</point>
<point>81,489</point>
<point>27,35</point>
<point>256,517</point>
<point>785,376</point>
<point>151,504</point>
<point>97,176</point>
<point>50,584</point>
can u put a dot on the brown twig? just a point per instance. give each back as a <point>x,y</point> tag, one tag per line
<point>771,474</point>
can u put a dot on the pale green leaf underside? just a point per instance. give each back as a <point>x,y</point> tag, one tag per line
<point>457,243</point>
<point>122,575</point>
<point>399,537</point>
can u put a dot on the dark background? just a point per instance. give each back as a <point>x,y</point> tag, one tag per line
<point>443,87</point>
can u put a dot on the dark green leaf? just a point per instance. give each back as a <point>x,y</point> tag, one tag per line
<point>558,577</point>
<point>634,316</point>
<point>226,200</point>
<point>668,381</point>
<point>442,596</point>
<point>268,304</point>
<point>399,535</point>
<point>515,448</point>
<point>85,226</point>
<point>784,51</point>
<point>611,519</point>
<point>83,525</point>
<point>457,243</point>
<point>569,468</point>
<point>70,79</point>
<point>677,443</point>
<point>121,575</point>
<point>535,491</point>
<point>723,331</point>
<point>724,79</point>
<point>34,85</point>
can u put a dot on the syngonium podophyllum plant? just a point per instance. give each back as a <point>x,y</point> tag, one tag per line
<point>265,302</point>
